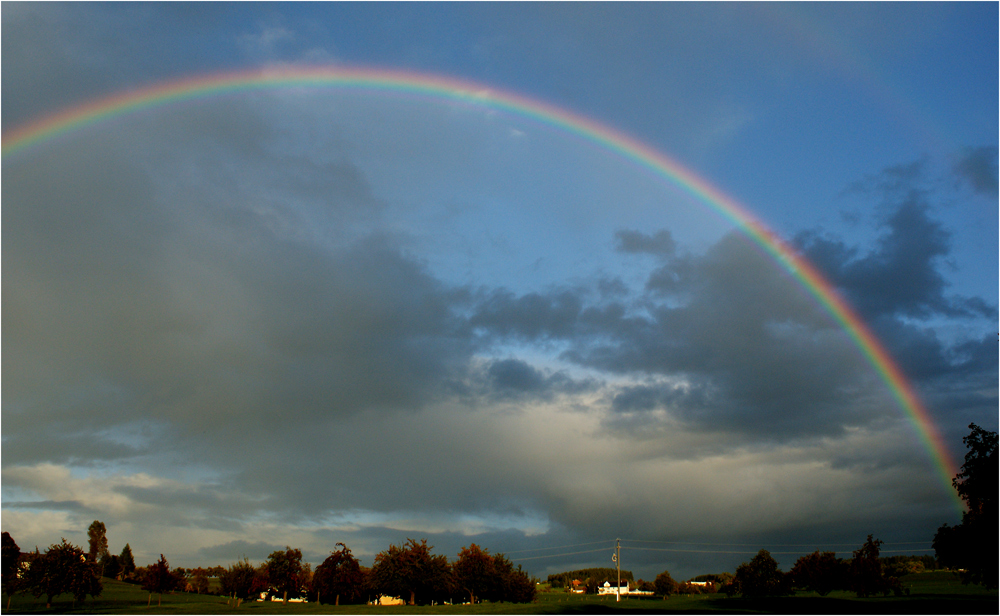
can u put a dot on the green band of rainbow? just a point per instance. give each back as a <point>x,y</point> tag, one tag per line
<point>442,88</point>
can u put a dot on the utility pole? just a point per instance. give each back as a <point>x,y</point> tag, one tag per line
<point>616,558</point>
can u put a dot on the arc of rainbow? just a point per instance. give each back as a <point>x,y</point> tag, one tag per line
<point>439,87</point>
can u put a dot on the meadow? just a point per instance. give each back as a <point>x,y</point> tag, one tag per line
<point>936,592</point>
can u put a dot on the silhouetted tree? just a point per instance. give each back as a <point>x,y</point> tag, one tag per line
<point>760,577</point>
<point>972,546</point>
<point>866,574</point>
<point>339,576</point>
<point>64,568</point>
<point>820,572</point>
<point>10,557</point>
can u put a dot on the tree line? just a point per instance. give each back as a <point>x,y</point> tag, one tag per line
<point>409,571</point>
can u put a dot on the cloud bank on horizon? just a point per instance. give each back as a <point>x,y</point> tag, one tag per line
<point>298,318</point>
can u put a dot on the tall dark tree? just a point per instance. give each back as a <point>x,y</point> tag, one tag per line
<point>10,557</point>
<point>127,562</point>
<point>866,574</point>
<point>972,546</point>
<point>284,571</point>
<point>761,577</point>
<point>410,571</point>
<point>97,535</point>
<point>339,577</point>
<point>63,568</point>
<point>159,579</point>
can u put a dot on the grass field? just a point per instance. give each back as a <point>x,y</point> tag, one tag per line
<point>937,592</point>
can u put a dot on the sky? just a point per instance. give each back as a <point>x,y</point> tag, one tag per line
<point>301,316</point>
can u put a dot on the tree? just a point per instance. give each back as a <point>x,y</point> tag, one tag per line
<point>665,585</point>
<point>760,577</point>
<point>238,581</point>
<point>866,570</point>
<point>971,547</point>
<point>199,580</point>
<point>339,576</point>
<point>159,579</point>
<point>97,535</point>
<point>127,562</point>
<point>410,570</point>
<point>10,557</point>
<point>510,583</point>
<point>64,568</point>
<point>110,565</point>
<point>474,571</point>
<point>820,572</point>
<point>284,571</point>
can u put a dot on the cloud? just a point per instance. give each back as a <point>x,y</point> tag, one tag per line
<point>901,275</point>
<point>978,167</point>
<point>660,244</point>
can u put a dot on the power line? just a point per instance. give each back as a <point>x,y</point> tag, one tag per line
<point>558,547</point>
<point>752,552</point>
<point>778,545</point>
<point>557,555</point>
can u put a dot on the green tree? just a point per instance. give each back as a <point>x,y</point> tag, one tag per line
<point>284,571</point>
<point>665,585</point>
<point>972,546</point>
<point>63,568</point>
<point>97,535</point>
<point>760,577</point>
<point>339,576</point>
<point>127,562</point>
<point>410,570</point>
<point>10,557</point>
<point>820,572</point>
<point>159,579</point>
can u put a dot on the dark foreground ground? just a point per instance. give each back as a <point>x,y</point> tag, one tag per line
<point>937,592</point>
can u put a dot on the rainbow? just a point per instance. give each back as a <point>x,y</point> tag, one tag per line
<point>449,89</point>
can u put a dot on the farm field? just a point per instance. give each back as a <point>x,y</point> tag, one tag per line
<point>936,592</point>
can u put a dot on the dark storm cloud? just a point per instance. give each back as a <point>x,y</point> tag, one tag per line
<point>531,316</point>
<point>901,275</point>
<point>756,356</point>
<point>660,244</point>
<point>978,167</point>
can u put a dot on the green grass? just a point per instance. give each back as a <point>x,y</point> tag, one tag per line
<point>936,592</point>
